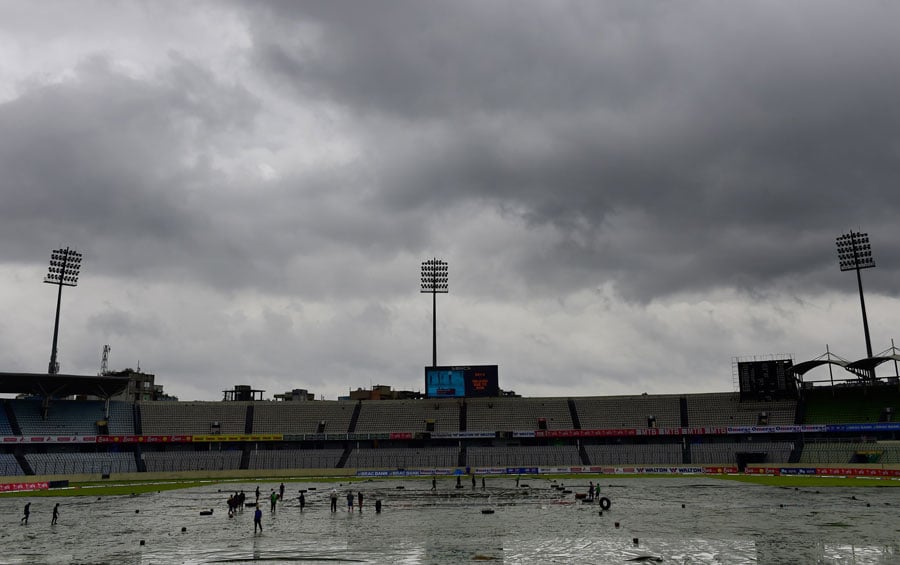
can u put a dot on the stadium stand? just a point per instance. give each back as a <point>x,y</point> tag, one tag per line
<point>890,452</point>
<point>725,453</point>
<point>302,417</point>
<point>65,417</point>
<point>9,467</point>
<point>845,405</point>
<point>725,409</point>
<point>611,412</point>
<point>523,456</point>
<point>833,452</point>
<point>513,414</point>
<point>183,460</point>
<point>408,416</point>
<point>173,418</point>
<point>489,432</point>
<point>81,463</point>
<point>402,457</point>
<point>5,427</point>
<point>295,458</point>
<point>638,454</point>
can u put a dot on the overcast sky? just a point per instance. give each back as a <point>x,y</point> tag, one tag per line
<point>628,194</point>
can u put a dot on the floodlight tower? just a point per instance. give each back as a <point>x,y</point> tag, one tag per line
<point>854,254</point>
<point>434,280</point>
<point>64,267</point>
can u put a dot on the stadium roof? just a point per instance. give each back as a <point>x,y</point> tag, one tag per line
<point>41,384</point>
<point>859,368</point>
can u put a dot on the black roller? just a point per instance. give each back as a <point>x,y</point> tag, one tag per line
<point>605,503</point>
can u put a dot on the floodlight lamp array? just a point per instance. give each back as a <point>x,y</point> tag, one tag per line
<point>854,251</point>
<point>434,276</point>
<point>65,265</point>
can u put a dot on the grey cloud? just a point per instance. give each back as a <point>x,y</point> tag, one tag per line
<point>98,156</point>
<point>728,131</point>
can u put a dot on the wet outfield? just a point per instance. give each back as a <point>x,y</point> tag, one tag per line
<point>677,520</point>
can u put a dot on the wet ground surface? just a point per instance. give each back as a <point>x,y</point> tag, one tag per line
<point>683,520</point>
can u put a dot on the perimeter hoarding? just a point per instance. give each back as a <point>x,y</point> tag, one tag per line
<point>461,381</point>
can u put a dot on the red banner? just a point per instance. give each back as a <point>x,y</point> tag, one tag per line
<point>823,471</point>
<point>144,439</point>
<point>585,433</point>
<point>12,487</point>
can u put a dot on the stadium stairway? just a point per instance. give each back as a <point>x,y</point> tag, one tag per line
<point>683,407</point>
<point>11,416</point>
<point>23,463</point>
<point>248,422</point>
<point>800,413</point>
<point>245,457</point>
<point>138,428</point>
<point>462,416</point>
<point>347,450</point>
<point>139,459</point>
<point>576,423</point>
<point>582,452</point>
<point>351,428</point>
<point>797,452</point>
<point>461,462</point>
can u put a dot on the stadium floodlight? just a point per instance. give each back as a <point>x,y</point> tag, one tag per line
<point>855,254</point>
<point>434,281</point>
<point>65,265</point>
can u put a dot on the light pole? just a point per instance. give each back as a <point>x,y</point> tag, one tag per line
<point>854,254</point>
<point>64,267</point>
<point>434,280</point>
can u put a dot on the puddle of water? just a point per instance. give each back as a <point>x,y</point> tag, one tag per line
<point>677,520</point>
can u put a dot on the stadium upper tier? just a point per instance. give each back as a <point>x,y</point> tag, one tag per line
<point>95,437</point>
<point>437,416</point>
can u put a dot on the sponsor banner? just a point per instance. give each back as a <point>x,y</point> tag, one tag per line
<point>775,429</point>
<point>397,473</point>
<point>144,439</point>
<point>528,433</point>
<point>723,470</point>
<point>369,436</point>
<point>696,431</point>
<point>796,471</point>
<point>49,439</point>
<point>585,433</point>
<point>488,471</point>
<point>669,470</point>
<point>830,471</point>
<point>238,437</point>
<point>758,471</point>
<point>13,487</point>
<point>874,427</point>
<point>400,435</point>
<point>522,470</point>
<point>462,435</point>
<point>824,471</point>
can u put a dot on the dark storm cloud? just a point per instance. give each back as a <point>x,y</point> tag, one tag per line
<point>92,161</point>
<point>675,147</point>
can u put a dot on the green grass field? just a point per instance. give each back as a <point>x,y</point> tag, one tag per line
<point>129,488</point>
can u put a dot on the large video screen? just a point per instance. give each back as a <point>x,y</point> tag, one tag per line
<point>767,380</point>
<point>461,381</point>
<point>444,383</point>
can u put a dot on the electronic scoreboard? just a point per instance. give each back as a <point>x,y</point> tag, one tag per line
<point>461,381</point>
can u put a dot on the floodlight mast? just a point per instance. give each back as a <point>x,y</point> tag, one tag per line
<point>434,281</point>
<point>855,254</point>
<point>65,265</point>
